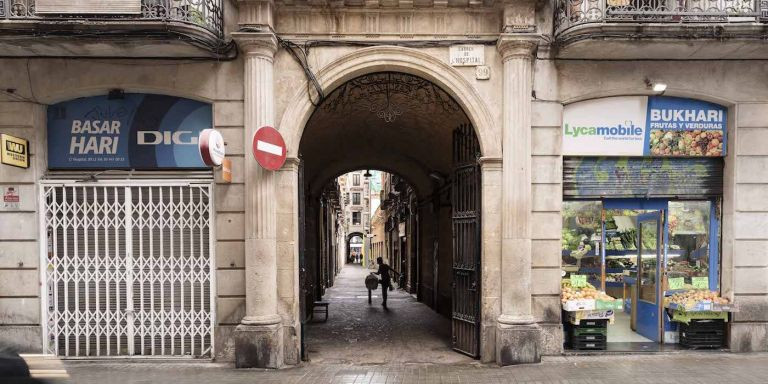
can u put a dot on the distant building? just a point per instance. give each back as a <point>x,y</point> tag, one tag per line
<point>356,209</point>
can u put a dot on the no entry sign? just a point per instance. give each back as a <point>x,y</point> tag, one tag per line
<point>269,148</point>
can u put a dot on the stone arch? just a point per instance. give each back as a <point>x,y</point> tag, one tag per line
<point>396,59</point>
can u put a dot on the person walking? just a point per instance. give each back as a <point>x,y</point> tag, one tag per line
<point>386,279</point>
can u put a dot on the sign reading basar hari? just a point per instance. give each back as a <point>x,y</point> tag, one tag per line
<point>136,131</point>
<point>657,126</point>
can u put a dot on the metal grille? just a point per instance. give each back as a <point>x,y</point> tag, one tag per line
<point>466,241</point>
<point>570,13</point>
<point>128,270</point>
<point>208,14</point>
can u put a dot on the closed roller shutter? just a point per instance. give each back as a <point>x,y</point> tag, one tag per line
<point>598,177</point>
<point>128,269</point>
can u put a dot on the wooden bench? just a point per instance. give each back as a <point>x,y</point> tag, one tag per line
<point>323,307</point>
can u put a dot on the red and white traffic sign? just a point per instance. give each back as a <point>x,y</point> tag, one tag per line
<point>269,148</point>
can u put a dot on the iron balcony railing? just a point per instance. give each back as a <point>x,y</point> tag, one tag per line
<point>570,13</point>
<point>206,14</point>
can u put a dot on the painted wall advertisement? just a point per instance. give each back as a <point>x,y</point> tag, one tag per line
<point>657,126</point>
<point>137,131</point>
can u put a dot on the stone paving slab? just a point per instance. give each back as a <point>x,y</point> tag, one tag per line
<point>679,368</point>
<point>360,333</point>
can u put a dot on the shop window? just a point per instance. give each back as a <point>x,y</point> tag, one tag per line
<point>688,253</point>
<point>581,236</point>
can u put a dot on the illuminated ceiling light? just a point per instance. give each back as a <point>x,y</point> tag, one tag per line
<point>657,87</point>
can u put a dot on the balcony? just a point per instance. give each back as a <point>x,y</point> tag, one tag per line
<point>664,29</point>
<point>115,28</point>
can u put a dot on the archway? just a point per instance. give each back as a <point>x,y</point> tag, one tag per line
<point>355,247</point>
<point>409,125</point>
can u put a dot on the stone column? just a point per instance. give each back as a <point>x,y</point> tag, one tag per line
<point>258,338</point>
<point>518,335</point>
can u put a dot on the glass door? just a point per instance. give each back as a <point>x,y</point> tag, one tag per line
<point>650,260</point>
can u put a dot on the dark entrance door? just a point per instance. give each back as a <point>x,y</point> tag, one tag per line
<point>465,199</point>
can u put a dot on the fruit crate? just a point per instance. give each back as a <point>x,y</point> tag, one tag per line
<point>589,342</point>
<point>703,333</point>
<point>590,336</point>
<point>578,331</point>
<point>593,323</point>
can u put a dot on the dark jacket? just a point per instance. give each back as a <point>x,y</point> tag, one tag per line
<point>386,279</point>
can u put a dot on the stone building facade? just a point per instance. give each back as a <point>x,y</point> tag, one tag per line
<point>291,52</point>
<point>355,196</point>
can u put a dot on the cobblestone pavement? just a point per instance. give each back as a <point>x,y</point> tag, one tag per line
<point>359,333</point>
<point>680,368</point>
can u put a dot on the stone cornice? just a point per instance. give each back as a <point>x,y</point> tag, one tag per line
<point>380,4</point>
<point>520,46</point>
<point>256,13</point>
<point>262,44</point>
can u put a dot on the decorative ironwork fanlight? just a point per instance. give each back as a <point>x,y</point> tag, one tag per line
<point>375,92</point>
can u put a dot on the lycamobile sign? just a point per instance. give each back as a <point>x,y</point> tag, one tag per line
<point>644,126</point>
<point>610,132</point>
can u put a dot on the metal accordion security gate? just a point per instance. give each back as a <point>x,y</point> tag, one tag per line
<point>465,205</point>
<point>127,269</point>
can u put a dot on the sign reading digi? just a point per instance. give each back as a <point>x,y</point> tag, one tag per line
<point>138,131</point>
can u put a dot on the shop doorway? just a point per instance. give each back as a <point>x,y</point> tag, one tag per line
<point>642,251</point>
<point>411,129</point>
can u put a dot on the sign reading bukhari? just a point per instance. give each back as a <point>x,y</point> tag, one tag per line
<point>657,126</point>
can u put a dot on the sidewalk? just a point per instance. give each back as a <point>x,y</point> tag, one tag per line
<point>691,368</point>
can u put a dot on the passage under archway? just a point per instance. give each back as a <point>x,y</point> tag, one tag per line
<point>420,136</point>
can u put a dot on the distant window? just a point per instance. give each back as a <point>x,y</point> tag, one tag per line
<point>355,218</point>
<point>356,198</point>
<point>356,179</point>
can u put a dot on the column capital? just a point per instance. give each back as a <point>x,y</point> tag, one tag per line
<point>515,45</point>
<point>291,164</point>
<point>490,162</point>
<point>263,44</point>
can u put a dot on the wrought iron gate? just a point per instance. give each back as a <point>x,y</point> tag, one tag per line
<point>127,270</point>
<point>465,206</point>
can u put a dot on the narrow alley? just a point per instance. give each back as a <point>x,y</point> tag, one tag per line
<point>359,333</point>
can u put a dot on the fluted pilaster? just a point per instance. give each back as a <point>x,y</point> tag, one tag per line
<point>260,208</point>
<point>517,55</point>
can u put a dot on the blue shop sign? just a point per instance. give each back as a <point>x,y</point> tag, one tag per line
<point>137,131</point>
<point>656,126</point>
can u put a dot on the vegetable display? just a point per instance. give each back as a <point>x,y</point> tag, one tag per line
<point>689,299</point>
<point>567,292</point>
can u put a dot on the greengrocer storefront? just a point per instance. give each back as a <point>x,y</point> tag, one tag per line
<point>642,189</point>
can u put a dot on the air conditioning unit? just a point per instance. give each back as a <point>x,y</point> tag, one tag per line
<point>94,7</point>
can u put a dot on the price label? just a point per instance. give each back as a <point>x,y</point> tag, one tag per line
<point>700,282</point>
<point>578,281</point>
<point>676,283</point>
